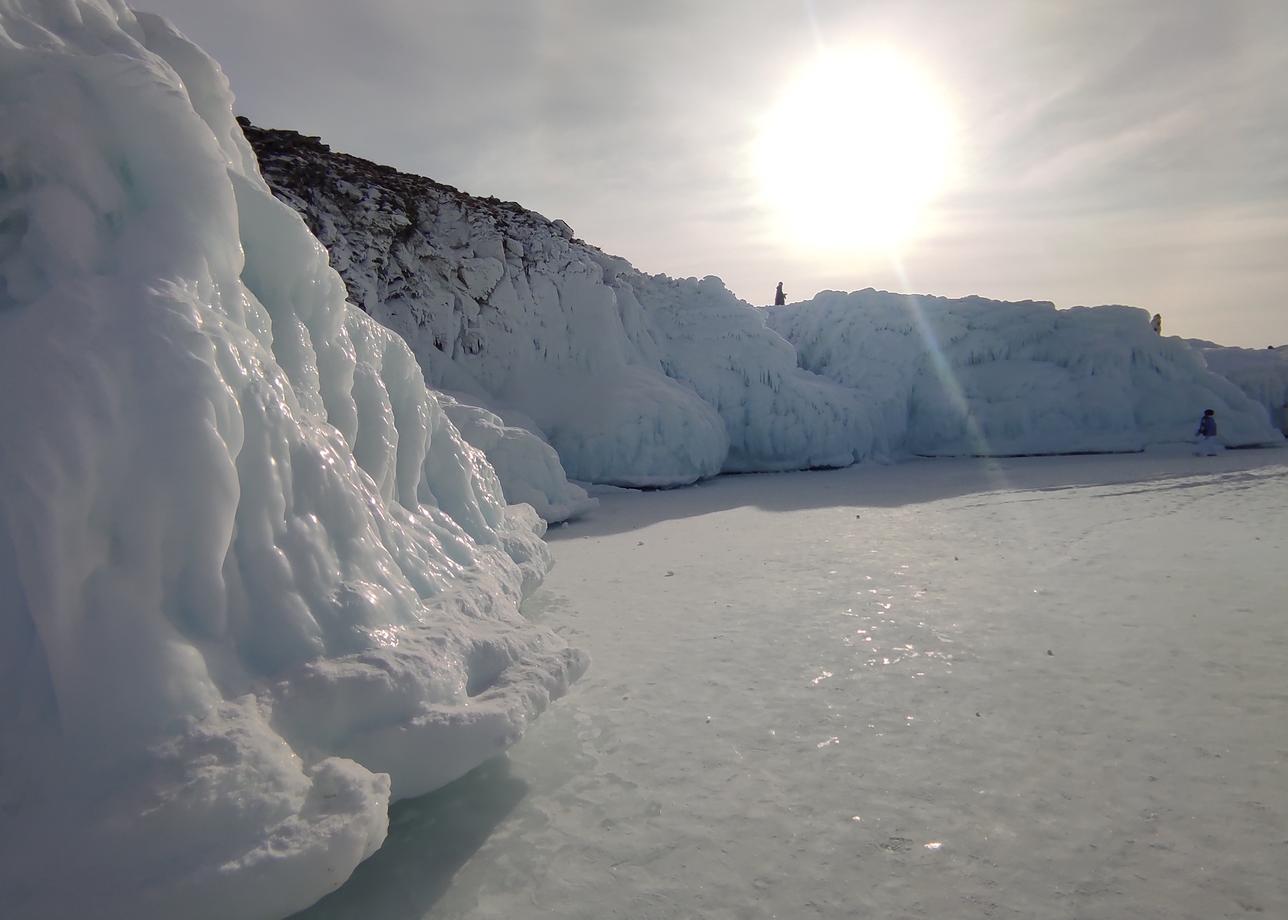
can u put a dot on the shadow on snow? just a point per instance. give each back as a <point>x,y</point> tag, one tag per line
<point>430,839</point>
<point>889,486</point>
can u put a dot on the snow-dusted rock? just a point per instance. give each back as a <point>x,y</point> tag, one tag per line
<point>253,583</point>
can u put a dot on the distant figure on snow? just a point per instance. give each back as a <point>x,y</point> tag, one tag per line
<point>1157,324</point>
<point>1208,446</point>
<point>780,299</point>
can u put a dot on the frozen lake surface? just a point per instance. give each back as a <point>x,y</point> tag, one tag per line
<point>1031,688</point>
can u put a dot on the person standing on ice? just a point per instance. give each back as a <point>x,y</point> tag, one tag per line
<point>780,299</point>
<point>1208,444</point>
<point>1157,324</point>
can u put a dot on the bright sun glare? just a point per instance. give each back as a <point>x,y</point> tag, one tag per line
<point>854,151</point>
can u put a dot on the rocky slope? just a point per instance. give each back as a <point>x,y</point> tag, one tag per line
<point>640,379</point>
<point>635,379</point>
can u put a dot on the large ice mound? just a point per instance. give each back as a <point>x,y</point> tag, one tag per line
<point>252,580</point>
<point>641,379</point>
<point>527,467</point>
<point>976,376</point>
<point>635,379</point>
<point>1262,373</point>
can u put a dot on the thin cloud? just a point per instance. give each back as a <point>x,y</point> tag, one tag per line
<point>1087,130</point>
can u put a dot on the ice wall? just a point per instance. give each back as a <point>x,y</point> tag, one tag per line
<point>1262,373</point>
<point>977,376</point>
<point>527,467</point>
<point>253,583</point>
<point>640,379</point>
<point>634,379</point>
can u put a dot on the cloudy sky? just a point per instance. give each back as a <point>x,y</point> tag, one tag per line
<point>1103,151</point>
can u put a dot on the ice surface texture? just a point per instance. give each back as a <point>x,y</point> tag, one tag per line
<point>528,467</point>
<point>635,379</point>
<point>253,582</point>
<point>1262,373</point>
<point>977,376</point>
<point>642,379</point>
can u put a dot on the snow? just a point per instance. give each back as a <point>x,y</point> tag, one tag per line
<point>983,377</point>
<point>255,583</point>
<point>1038,687</point>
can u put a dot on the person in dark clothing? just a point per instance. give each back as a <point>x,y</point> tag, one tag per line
<point>1207,444</point>
<point>779,297</point>
<point>1157,324</point>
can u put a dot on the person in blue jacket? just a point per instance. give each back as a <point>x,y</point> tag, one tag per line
<point>1207,443</point>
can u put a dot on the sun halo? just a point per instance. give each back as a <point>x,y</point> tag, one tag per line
<point>854,151</point>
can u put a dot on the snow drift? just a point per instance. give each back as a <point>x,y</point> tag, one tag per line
<point>253,581</point>
<point>977,376</point>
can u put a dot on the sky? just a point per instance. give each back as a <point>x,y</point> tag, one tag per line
<point>1104,151</point>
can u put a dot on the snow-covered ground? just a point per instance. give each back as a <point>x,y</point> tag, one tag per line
<point>1029,688</point>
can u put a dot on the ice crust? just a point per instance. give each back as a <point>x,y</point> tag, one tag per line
<point>635,379</point>
<point>1262,373</point>
<point>254,582</point>
<point>641,379</point>
<point>528,467</point>
<point>257,579</point>
<point>977,376</point>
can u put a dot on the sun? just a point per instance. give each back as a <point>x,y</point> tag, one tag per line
<point>854,152</point>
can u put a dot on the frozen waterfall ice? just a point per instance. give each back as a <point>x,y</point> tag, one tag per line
<point>254,582</point>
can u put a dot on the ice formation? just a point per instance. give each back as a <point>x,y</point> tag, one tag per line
<point>978,376</point>
<point>641,379</point>
<point>634,379</point>
<point>1262,373</point>
<point>253,581</point>
<point>527,467</point>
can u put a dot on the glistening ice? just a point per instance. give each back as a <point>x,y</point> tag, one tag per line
<point>254,582</point>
